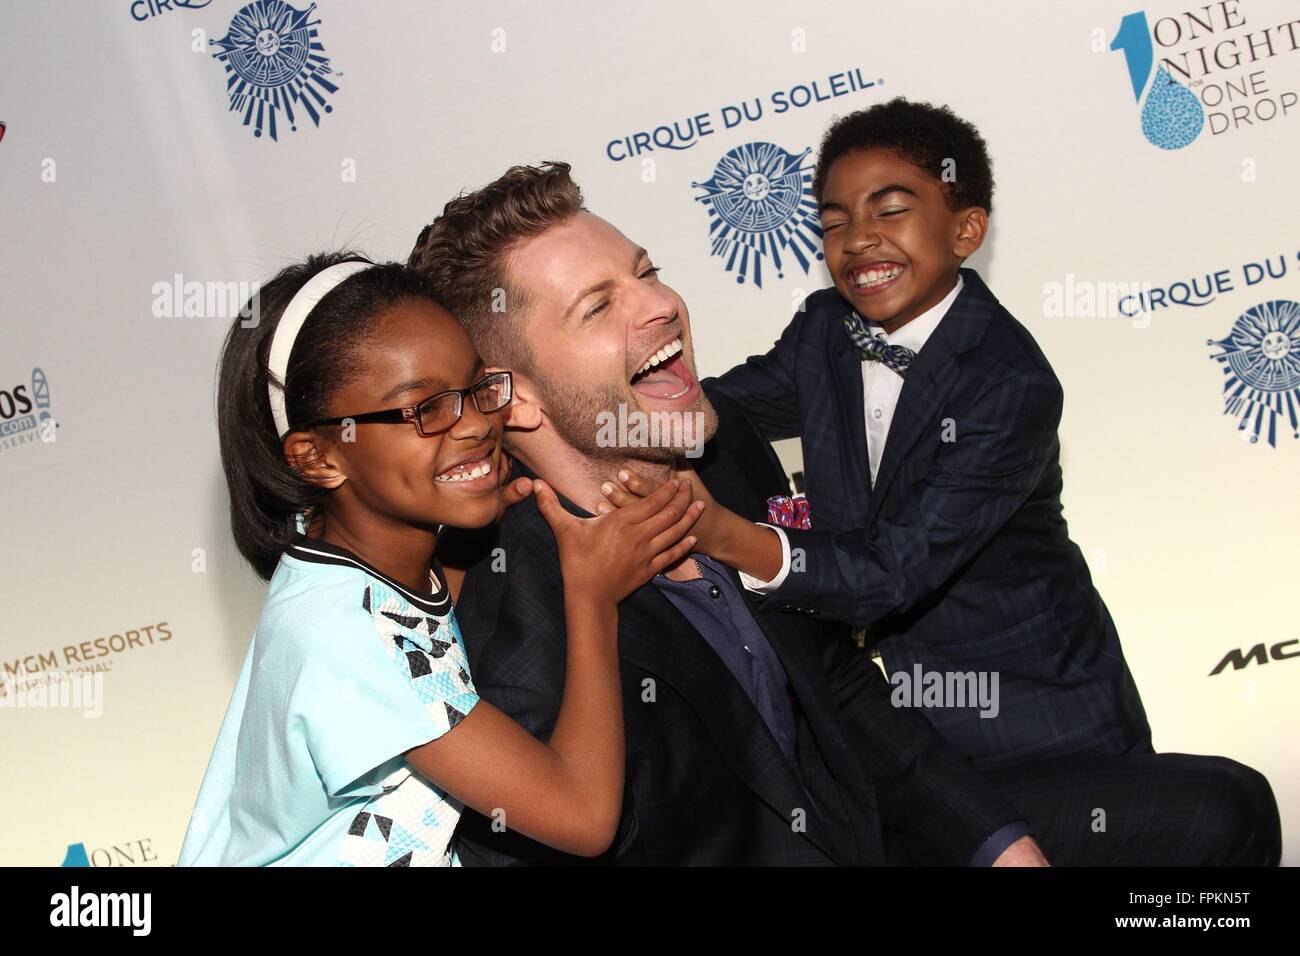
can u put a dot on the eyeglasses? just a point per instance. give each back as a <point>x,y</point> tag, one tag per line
<point>439,412</point>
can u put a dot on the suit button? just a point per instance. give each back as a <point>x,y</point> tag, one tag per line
<point>714,591</point>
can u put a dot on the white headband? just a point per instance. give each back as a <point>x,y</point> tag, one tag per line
<point>291,323</point>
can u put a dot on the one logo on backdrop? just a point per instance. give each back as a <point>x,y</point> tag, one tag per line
<point>127,853</point>
<point>1261,367</point>
<point>1212,70</point>
<point>2,131</point>
<point>761,208</point>
<point>276,67</point>
<point>25,415</point>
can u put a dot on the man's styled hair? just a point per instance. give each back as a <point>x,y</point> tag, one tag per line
<point>927,136</point>
<point>465,253</point>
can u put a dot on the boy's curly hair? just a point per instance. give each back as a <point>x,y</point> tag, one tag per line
<point>926,136</point>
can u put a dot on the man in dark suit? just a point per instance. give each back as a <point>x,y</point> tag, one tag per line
<point>753,737</point>
<point>708,780</point>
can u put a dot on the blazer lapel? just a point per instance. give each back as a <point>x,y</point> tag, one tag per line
<point>731,482</point>
<point>846,371</point>
<point>654,636</point>
<point>931,378</point>
<point>928,382</point>
<point>800,663</point>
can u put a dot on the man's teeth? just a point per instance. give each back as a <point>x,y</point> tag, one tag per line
<point>876,276</point>
<point>663,355</point>
<point>466,472</point>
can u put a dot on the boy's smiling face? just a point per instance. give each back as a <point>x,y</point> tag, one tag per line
<point>893,246</point>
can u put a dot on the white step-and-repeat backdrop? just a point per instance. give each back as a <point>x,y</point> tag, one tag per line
<point>158,158</point>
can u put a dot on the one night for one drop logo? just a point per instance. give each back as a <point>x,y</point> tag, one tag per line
<point>1261,368</point>
<point>761,207</point>
<point>1172,116</point>
<point>275,63</point>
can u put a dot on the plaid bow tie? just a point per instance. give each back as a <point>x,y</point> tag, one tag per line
<point>876,348</point>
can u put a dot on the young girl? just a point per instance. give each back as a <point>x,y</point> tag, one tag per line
<point>355,420</point>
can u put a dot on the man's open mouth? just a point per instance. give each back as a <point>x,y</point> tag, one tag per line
<point>665,374</point>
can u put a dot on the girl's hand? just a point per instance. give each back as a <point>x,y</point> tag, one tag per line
<point>722,534</point>
<point>631,487</point>
<point>608,557</point>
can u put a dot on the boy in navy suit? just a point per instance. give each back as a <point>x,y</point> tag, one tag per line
<point>928,418</point>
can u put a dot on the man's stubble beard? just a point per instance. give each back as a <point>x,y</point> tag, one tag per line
<point>573,411</point>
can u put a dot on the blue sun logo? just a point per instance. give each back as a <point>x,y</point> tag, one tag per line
<point>761,207</point>
<point>1261,368</point>
<point>275,64</point>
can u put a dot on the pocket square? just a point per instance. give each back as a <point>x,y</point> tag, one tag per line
<point>786,512</point>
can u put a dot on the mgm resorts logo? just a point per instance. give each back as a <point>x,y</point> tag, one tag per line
<point>761,207</point>
<point>1260,654</point>
<point>275,61</point>
<point>25,412</point>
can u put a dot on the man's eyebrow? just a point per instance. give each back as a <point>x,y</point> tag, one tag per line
<point>602,286</point>
<point>598,287</point>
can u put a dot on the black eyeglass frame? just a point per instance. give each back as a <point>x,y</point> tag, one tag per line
<point>411,413</point>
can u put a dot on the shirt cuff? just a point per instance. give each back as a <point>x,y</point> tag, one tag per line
<point>993,847</point>
<point>764,587</point>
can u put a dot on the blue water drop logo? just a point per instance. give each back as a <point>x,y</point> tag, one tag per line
<point>1172,116</point>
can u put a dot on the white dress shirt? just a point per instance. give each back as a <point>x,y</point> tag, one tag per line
<point>881,387</point>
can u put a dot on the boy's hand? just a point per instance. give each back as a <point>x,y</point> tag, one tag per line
<point>722,534</point>
<point>630,487</point>
<point>608,557</point>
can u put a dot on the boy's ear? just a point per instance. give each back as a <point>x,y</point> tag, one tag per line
<point>973,226</point>
<point>310,456</point>
<point>524,413</point>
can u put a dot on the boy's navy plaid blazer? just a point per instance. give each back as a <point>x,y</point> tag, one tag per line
<point>706,782</point>
<point>958,559</point>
